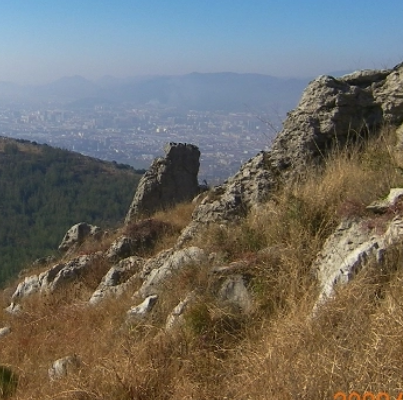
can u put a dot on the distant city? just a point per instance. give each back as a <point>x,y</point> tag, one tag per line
<point>135,136</point>
<point>230,117</point>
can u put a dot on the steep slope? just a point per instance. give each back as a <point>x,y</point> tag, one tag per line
<point>46,190</point>
<point>230,310</point>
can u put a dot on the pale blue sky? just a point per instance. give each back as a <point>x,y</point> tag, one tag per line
<point>42,40</point>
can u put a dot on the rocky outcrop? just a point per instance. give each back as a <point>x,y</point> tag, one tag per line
<point>234,291</point>
<point>139,236</point>
<point>77,234</point>
<point>170,180</point>
<point>14,308</point>
<point>330,113</point>
<point>382,206</point>
<point>141,310</point>
<point>118,279</point>
<point>176,317</point>
<point>389,95</point>
<point>54,277</point>
<point>157,269</point>
<point>356,242</point>
<point>122,247</point>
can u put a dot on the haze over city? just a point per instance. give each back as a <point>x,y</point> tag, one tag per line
<point>118,79</point>
<point>46,40</point>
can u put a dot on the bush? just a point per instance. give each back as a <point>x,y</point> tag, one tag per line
<point>8,382</point>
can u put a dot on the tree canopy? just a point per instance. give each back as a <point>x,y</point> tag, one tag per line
<point>46,190</point>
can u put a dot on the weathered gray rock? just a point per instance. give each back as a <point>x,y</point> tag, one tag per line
<point>72,271</point>
<point>142,309</point>
<point>350,247</point>
<point>234,291</point>
<point>55,277</point>
<point>138,236</point>
<point>382,206</point>
<point>64,366</point>
<point>170,180</point>
<point>77,234</point>
<point>232,200</point>
<point>6,330</point>
<point>14,308</point>
<point>176,317</point>
<point>390,96</point>
<point>331,112</point>
<point>118,279</point>
<point>122,247</point>
<point>30,285</point>
<point>343,254</point>
<point>157,269</point>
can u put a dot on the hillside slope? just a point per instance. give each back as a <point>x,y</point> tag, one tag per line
<point>45,190</point>
<point>283,283</point>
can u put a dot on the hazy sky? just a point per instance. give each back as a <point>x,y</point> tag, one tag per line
<point>42,40</point>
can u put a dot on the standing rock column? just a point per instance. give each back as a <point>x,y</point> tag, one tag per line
<point>169,181</point>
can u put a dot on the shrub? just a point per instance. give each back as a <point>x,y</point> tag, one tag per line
<point>8,382</point>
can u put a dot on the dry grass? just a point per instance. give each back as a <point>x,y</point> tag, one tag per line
<point>276,352</point>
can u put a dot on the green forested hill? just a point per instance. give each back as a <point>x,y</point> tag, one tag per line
<point>45,190</point>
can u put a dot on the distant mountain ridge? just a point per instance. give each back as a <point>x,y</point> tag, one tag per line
<point>199,91</point>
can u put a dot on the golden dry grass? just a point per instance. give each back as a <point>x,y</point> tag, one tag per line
<point>278,351</point>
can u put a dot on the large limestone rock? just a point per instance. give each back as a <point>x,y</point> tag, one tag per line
<point>176,317</point>
<point>138,236</point>
<point>170,180</point>
<point>389,95</point>
<point>141,310</point>
<point>354,243</point>
<point>234,291</point>
<point>118,279</point>
<point>157,269</point>
<point>77,234</point>
<point>330,113</point>
<point>55,277</point>
<point>121,248</point>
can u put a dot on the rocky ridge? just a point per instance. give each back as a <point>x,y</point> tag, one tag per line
<point>331,113</point>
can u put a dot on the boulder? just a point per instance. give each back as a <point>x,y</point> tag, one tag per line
<point>175,318</point>
<point>390,96</point>
<point>234,291</point>
<point>157,269</point>
<point>170,180</point>
<point>138,236</point>
<point>142,309</point>
<point>122,247</point>
<point>71,271</point>
<point>385,205</point>
<point>5,331</point>
<point>352,245</point>
<point>14,308</point>
<point>55,277</point>
<point>118,279</point>
<point>64,366</point>
<point>343,254</point>
<point>77,234</point>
